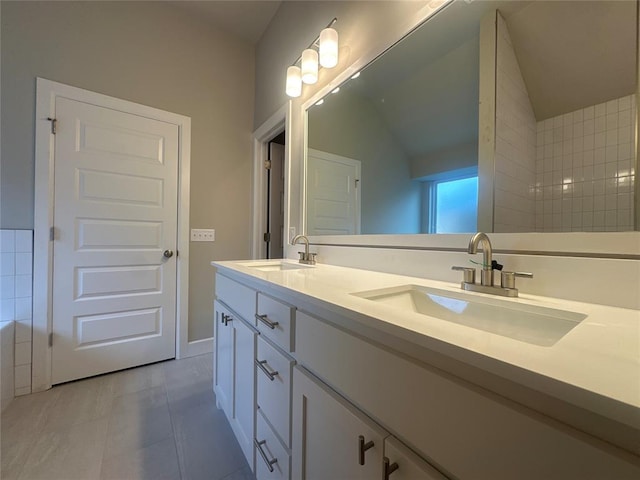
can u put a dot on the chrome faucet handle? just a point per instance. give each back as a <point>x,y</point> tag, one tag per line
<point>468,275</point>
<point>508,279</point>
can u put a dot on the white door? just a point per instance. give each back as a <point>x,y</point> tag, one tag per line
<point>333,194</point>
<point>115,213</point>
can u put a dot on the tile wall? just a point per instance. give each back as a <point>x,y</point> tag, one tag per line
<point>515,152</point>
<point>16,280</point>
<point>584,169</point>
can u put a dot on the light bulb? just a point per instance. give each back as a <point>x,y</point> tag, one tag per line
<point>328,48</point>
<point>294,81</point>
<point>309,66</point>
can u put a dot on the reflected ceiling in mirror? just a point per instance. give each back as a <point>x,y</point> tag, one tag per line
<point>395,150</point>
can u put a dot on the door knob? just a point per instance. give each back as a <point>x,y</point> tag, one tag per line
<point>168,253</point>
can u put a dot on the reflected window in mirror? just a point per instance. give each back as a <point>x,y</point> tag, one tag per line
<point>451,205</point>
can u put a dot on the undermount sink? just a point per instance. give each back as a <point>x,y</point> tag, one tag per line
<point>528,323</point>
<point>275,266</point>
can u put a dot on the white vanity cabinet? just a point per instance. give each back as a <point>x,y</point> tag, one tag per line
<point>331,438</point>
<point>332,402</point>
<point>400,463</point>
<point>234,374</point>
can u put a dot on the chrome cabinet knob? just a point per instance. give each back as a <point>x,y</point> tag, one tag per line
<point>168,253</point>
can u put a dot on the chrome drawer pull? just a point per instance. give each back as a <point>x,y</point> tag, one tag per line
<point>226,319</point>
<point>264,319</point>
<point>262,365</point>
<point>264,455</point>
<point>389,468</point>
<point>363,447</point>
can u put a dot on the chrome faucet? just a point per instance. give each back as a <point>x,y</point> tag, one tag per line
<point>507,286</point>
<point>486,275</point>
<point>305,257</point>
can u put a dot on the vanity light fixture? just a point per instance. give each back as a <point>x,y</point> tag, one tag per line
<point>328,48</point>
<point>309,66</point>
<point>320,102</point>
<point>294,81</point>
<point>335,90</point>
<point>323,51</point>
<point>355,75</point>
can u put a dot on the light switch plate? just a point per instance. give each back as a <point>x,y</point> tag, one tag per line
<point>203,235</point>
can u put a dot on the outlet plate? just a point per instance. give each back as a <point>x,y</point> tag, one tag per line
<point>203,235</point>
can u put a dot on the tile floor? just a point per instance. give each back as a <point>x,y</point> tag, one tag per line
<point>154,422</point>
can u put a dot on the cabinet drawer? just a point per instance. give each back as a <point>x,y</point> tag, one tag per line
<point>275,321</point>
<point>272,459</point>
<point>239,298</point>
<point>465,431</point>
<point>274,372</point>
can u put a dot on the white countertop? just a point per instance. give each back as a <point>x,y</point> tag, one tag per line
<point>600,356</point>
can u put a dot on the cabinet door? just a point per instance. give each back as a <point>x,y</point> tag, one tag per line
<point>400,463</point>
<point>223,373</point>
<point>244,381</point>
<point>331,438</point>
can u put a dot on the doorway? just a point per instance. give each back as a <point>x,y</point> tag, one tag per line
<point>274,235</point>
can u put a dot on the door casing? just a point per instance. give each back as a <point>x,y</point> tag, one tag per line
<point>47,92</point>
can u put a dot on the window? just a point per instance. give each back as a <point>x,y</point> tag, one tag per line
<point>453,205</point>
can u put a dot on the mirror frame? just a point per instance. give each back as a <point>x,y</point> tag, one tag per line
<point>622,245</point>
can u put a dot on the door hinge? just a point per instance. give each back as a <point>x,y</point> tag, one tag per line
<point>267,237</point>
<point>52,234</point>
<point>51,339</point>
<point>54,125</point>
<point>267,164</point>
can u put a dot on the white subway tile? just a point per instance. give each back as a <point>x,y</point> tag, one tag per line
<point>600,124</point>
<point>624,103</point>
<point>23,391</point>
<point>611,138</point>
<point>23,353</point>
<point>600,110</point>
<point>24,240</point>
<point>23,263</point>
<point>599,139</point>
<point>612,106</point>
<point>598,186</point>
<point>598,219</point>
<point>587,204</point>
<point>587,157</point>
<point>22,376</point>
<point>7,309</point>
<point>611,154</point>
<point>599,155</point>
<point>589,113</point>
<point>23,286</point>
<point>7,287</point>
<point>589,127</point>
<point>23,331</point>
<point>7,241</point>
<point>7,263</point>
<point>610,203</point>
<point>24,308</point>
<point>587,189</point>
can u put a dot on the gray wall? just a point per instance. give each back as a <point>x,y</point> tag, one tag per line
<point>363,27</point>
<point>154,54</point>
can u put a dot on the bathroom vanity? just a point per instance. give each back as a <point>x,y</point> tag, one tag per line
<point>327,372</point>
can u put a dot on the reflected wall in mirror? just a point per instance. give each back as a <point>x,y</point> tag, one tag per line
<point>396,150</point>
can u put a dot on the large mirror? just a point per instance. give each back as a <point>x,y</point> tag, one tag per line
<point>529,106</point>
